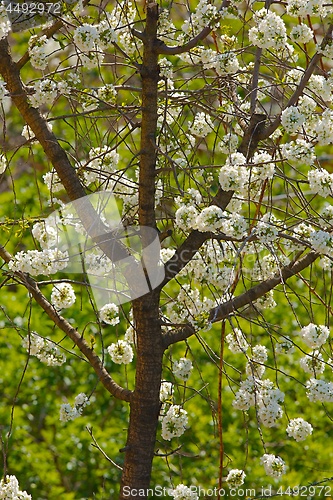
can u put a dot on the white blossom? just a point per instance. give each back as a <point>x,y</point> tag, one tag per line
<point>292,119</point>
<point>263,395</point>
<point>9,489</point>
<point>3,163</point>
<point>234,175</point>
<point>236,341</point>
<point>182,492</point>
<point>315,335</point>
<point>174,422</point>
<point>165,391</point>
<point>228,143</point>
<point>319,390</point>
<point>52,181</point>
<point>63,296</point>
<point>85,37</point>
<point>299,429</point>
<point>3,91</point>
<point>322,242</point>
<point>48,261</point>
<point>299,151</point>
<point>68,412</point>
<point>37,51</point>
<point>186,217</point>
<point>109,313</point>
<point>5,26</point>
<point>182,368</point>
<point>235,478</point>
<point>321,182</point>
<point>121,352</point>
<point>205,15</point>
<point>269,31</point>
<point>46,234</point>
<point>313,363</point>
<point>274,466</point>
<point>301,33</point>
<point>201,125</point>
<point>46,351</point>
<point>45,92</point>
<point>210,219</point>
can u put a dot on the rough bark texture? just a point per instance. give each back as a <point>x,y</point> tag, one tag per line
<point>145,404</point>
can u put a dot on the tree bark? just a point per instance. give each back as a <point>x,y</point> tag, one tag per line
<point>145,400</point>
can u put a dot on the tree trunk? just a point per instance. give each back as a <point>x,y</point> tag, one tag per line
<point>145,401</point>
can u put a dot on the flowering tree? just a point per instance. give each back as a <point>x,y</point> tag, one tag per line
<point>211,126</point>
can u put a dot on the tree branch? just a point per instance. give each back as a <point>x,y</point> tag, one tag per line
<point>102,374</point>
<point>58,158</point>
<point>195,239</point>
<point>249,297</point>
<point>301,86</point>
<point>162,48</point>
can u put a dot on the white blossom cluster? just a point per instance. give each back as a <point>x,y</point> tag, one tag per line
<point>3,163</point>
<point>52,181</point>
<point>68,412</point>
<point>313,363</point>
<point>210,219</point>
<point>182,492</point>
<point>189,307</point>
<point>34,262</point>
<point>315,335</point>
<point>165,391</point>
<point>269,31</point>
<point>10,490</point>
<point>274,466</point>
<point>201,125</point>
<point>299,429</point>
<point>3,91</point>
<point>91,40</point>
<point>101,160</point>
<point>174,422</point>
<point>321,182</point>
<point>45,92</point>
<point>301,33</point>
<point>237,175</point>
<point>257,358</point>
<point>182,368</point>
<point>229,143</point>
<point>109,313</point>
<point>236,341</point>
<point>266,230</point>
<point>264,396</point>
<point>5,26</point>
<point>234,174</point>
<point>292,119</point>
<point>63,296</point>
<point>322,242</point>
<point>299,151</point>
<point>46,351</point>
<point>121,352</point>
<point>319,390</point>
<point>37,51</point>
<point>267,266</point>
<point>235,478</point>
<point>205,14</point>
<point>304,8</point>
<point>45,233</point>
<point>225,63</point>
